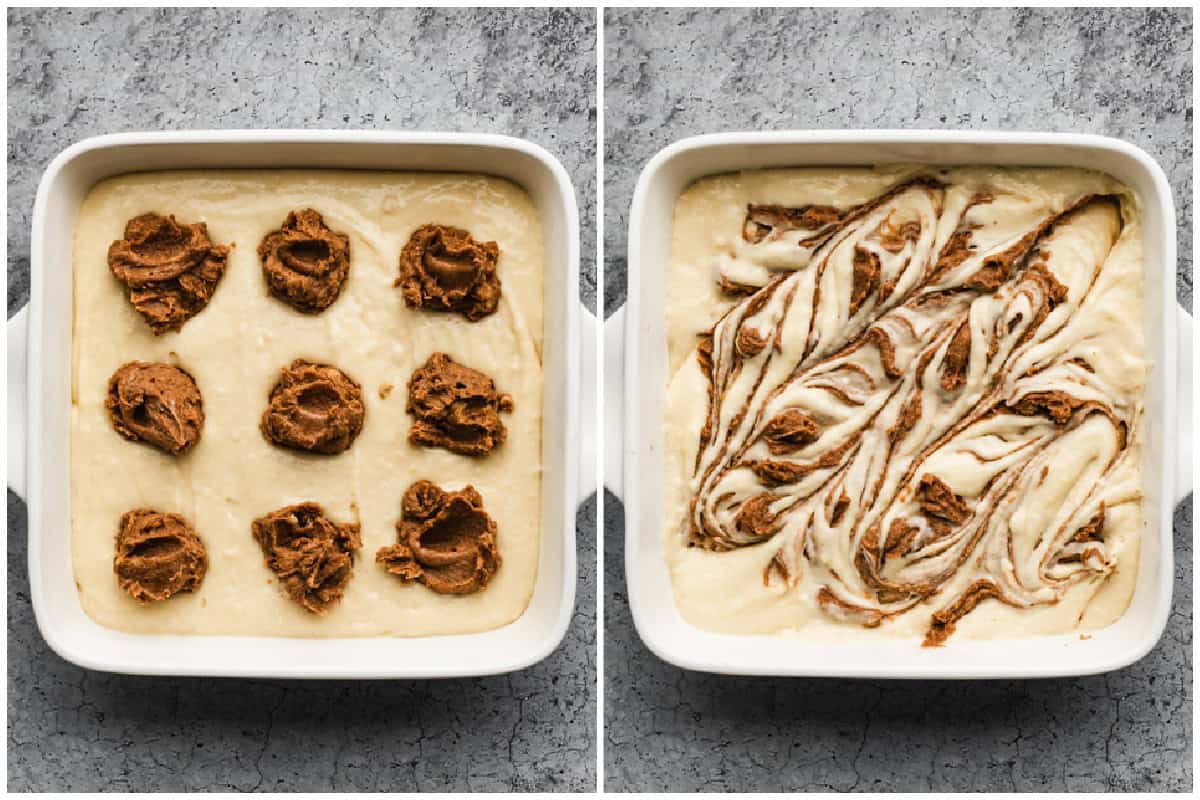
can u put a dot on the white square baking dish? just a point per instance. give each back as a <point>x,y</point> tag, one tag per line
<point>1167,452</point>
<point>41,473</point>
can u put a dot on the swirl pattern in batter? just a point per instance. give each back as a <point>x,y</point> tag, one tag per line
<point>922,400</point>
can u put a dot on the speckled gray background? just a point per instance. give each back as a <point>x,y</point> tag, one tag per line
<point>73,74</point>
<point>671,74</point>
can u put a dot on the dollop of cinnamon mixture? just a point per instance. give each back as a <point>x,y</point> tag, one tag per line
<point>446,540</point>
<point>947,339</point>
<point>767,221</point>
<point>312,555</point>
<point>443,269</point>
<point>455,407</point>
<point>939,501</point>
<point>170,270</point>
<point>157,404</point>
<point>304,262</point>
<point>790,431</point>
<point>158,555</point>
<point>314,407</point>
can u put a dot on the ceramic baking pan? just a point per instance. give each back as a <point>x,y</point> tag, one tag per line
<point>39,430</point>
<point>1167,451</point>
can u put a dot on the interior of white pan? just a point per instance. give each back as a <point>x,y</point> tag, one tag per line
<point>655,613</point>
<point>56,602</point>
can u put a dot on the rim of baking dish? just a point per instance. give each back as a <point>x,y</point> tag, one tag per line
<point>503,662</point>
<point>650,626</point>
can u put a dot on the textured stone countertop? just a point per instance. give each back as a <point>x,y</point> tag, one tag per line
<point>73,74</point>
<point>671,74</point>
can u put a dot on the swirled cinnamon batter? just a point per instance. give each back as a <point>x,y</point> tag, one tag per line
<point>304,262</point>
<point>443,268</point>
<point>158,555</point>
<point>157,404</point>
<point>170,270</point>
<point>916,404</point>
<point>316,408</point>
<point>446,540</point>
<point>455,407</point>
<point>312,555</point>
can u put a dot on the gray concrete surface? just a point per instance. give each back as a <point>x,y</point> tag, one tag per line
<point>72,74</point>
<point>675,73</point>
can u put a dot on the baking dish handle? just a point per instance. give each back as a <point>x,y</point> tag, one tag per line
<point>17,428</point>
<point>614,402</point>
<point>609,411</point>
<point>1185,409</point>
<point>589,410</point>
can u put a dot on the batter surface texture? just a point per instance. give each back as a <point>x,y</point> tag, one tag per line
<point>905,400</point>
<point>234,348</point>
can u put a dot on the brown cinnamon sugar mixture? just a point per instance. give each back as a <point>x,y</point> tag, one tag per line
<point>158,555</point>
<point>734,289</point>
<point>314,407</point>
<point>749,342</point>
<point>170,270</point>
<point>1057,405</point>
<point>445,540</point>
<point>764,220</point>
<point>455,407</point>
<point>958,248</point>
<point>945,621</point>
<point>312,555</point>
<point>865,280</point>
<point>839,509</point>
<point>887,350</point>
<point>755,519</point>
<point>867,617</point>
<point>1093,531</point>
<point>790,431</point>
<point>704,351</point>
<point>958,354</point>
<point>779,473</point>
<point>157,404</point>
<point>939,500</point>
<point>900,537</point>
<point>443,269</point>
<point>893,238</point>
<point>945,509</point>
<point>910,413</point>
<point>304,262</point>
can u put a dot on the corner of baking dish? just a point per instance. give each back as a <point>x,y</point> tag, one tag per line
<point>657,618</point>
<point>521,643</point>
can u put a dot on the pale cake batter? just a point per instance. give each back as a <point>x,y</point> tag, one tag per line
<point>235,349</point>
<point>921,389</point>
